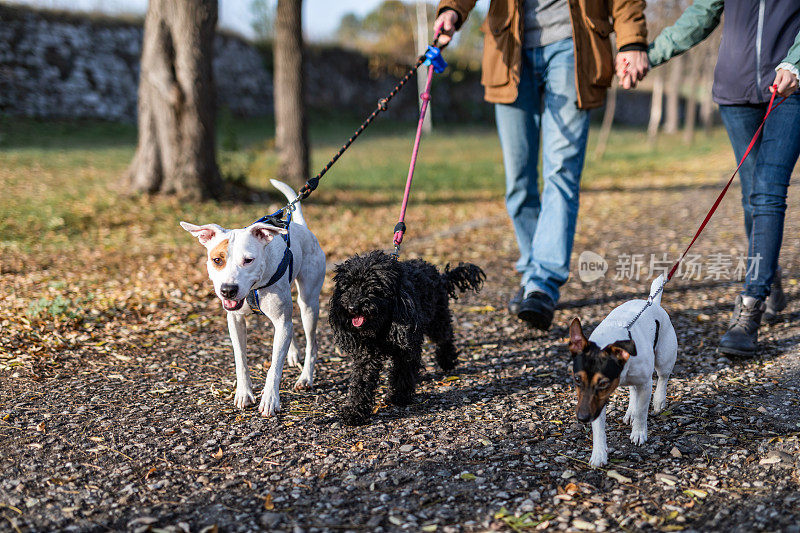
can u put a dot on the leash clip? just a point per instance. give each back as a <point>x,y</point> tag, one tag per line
<point>399,231</point>
<point>433,57</point>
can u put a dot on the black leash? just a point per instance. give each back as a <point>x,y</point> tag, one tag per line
<point>383,105</point>
<point>277,218</point>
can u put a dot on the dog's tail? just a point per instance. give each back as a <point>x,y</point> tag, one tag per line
<point>656,289</point>
<point>290,195</point>
<point>465,277</point>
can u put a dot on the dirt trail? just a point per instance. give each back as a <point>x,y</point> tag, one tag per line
<point>141,434</point>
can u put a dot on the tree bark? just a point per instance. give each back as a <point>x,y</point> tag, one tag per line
<point>656,107</point>
<point>422,72</point>
<point>673,92</point>
<point>696,60</point>
<point>608,122</point>
<point>291,135</point>
<point>707,102</point>
<point>176,151</point>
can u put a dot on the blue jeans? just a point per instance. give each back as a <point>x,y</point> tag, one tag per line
<point>545,109</point>
<point>765,181</point>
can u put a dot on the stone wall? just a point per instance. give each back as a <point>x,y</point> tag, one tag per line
<point>61,65</point>
<point>345,81</point>
<point>67,65</point>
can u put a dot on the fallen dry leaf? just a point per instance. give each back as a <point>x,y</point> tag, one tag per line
<point>481,309</point>
<point>696,493</point>
<point>613,474</point>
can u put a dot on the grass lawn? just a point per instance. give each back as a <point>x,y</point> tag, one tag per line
<point>59,179</point>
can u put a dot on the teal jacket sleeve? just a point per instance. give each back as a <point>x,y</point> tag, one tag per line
<point>694,25</point>
<point>793,57</point>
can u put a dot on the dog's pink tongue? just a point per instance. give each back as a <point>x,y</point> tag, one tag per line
<point>228,304</point>
<point>358,321</point>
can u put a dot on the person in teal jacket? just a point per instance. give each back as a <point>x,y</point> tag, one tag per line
<point>759,54</point>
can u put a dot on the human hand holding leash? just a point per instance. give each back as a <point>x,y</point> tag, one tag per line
<point>631,66</point>
<point>446,26</point>
<point>785,83</point>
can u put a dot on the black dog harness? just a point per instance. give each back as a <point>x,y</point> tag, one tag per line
<point>287,262</point>
<point>655,340</point>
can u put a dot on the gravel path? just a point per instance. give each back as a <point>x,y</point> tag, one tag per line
<point>137,431</point>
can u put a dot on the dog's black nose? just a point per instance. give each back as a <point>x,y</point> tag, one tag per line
<point>351,308</point>
<point>584,417</point>
<point>229,290</point>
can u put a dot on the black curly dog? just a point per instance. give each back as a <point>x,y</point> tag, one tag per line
<point>380,309</point>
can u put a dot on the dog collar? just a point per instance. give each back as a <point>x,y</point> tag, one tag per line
<point>276,219</point>
<point>287,263</point>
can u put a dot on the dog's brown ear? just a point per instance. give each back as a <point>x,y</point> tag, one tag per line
<point>622,350</point>
<point>265,232</point>
<point>577,340</point>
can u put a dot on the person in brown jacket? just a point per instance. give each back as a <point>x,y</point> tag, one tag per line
<point>545,64</point>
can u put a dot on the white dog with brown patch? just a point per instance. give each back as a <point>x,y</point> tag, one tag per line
<point>251,264</point>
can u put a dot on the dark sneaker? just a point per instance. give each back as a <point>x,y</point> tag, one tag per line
<point>537,310</point>
<point>513,303</point>
<point>742,337</point>
<point>776,301</point>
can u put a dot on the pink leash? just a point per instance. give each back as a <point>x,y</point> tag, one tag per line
<point>400,228</point>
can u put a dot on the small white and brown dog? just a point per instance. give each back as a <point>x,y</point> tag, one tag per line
<point>614,356</point>
<point>252,264</point>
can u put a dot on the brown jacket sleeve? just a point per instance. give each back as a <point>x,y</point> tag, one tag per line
<point>629,23</point>
<point>462,7</point>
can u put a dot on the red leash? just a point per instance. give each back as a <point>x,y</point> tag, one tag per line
<point>725,190</point>
<point>714,207</point>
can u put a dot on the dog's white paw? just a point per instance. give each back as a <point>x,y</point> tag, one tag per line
<point>304,382</point>
<point>659,404</point>
<point>639,435</point>
<point>270,403</point>
<point>293,357</point>
<point>599,458</point>
<point>628,418</point>
<point>243,397</point>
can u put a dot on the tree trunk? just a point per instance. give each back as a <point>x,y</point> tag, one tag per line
<point>422,72</point>
<point>291,136</point>
<point>656,107</point>
<point>608,121</point>
<point>673,91</point>
<point>176,151</point>
<point>696,60</point>
<point>707,102</point>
